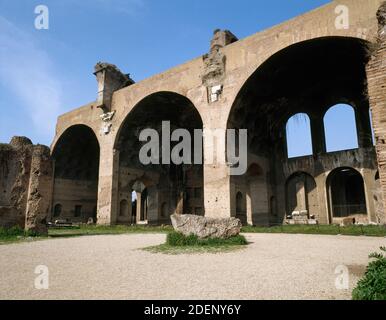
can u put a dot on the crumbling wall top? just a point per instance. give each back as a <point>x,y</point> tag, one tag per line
<point>20,142</point>
<point>115,71</point>
<point>381,16</point>
<point>222,38</point>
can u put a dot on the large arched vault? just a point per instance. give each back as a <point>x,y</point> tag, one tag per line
<point>177,187</point>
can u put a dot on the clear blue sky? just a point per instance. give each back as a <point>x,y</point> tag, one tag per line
<point>48,72</point>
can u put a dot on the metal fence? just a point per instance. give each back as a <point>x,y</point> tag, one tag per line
<point>342,211</point>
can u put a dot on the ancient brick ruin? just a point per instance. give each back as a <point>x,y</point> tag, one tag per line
<point>26,185</point>
<point>305,65</point>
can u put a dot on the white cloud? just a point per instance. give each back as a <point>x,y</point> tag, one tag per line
<point>27,71</point>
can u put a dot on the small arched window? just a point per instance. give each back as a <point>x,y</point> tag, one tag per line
<point>57,210</point>
<point>299,139</point>
<point>340,128</point>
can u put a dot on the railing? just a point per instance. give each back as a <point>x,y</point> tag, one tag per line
<point>342,211</point>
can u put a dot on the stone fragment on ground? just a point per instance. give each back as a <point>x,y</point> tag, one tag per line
<point>205,228</point>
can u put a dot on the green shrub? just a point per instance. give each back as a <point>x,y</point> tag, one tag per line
<point>373,285</point>
<point>11,232</point>
<point>14,232</point>
<point>177,239</point>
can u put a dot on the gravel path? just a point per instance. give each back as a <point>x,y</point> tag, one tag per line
<point>111,267</point>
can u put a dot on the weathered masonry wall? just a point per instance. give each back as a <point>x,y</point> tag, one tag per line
<point>234,86</point>
<point>74,200</point>
<point>320,168</point>
<point>376,74</point>
<point>25,185</point>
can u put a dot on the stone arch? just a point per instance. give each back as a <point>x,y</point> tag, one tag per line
<point>346,194</point>
<point>302,199</point>
<point>76,157</point>
<point>271,89</point>
<point>302,78</point>
<point>298,39</point>
<point>253,188</point>
<point>166,182</point>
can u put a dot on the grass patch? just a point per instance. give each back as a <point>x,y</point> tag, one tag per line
<point>373,231</point>
<point>177,243</point>
<point>373,285</point>
<point>171,250</point>
<point>16,234</point>
<point>177,239</point>
<point>86,230</point>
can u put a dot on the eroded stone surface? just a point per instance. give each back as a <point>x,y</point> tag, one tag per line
<point>25,184</point>
<point>206,227</point>
<point>38,204</point>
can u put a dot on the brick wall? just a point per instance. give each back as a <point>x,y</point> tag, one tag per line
<point>376,74</point>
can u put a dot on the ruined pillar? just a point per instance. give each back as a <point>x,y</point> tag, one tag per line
<point>219,191</point>
<point>301,196</point>
<point>108,185</point>
<point>139,206</point>
<point>180,203</point>
<point>369,187</point>
<point>362,119</point>
<point>318,135</point>
<point>110,79</point>
<point>39,191</point>
<point>324,196</point>
<point>217,183</point>
<point>376,77</point>
<point>249,208</point>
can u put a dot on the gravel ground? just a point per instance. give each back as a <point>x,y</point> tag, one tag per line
<point>111,267</point>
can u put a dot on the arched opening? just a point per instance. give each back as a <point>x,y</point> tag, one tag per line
<point>241,212</point>
<point>301,197</point>
<point>144,205</point>
<point>133,219</point>
<point>164,211</point>
<point>346,193</point>
<point>76,157</point>
<point>124,208</point>
<point>57,210</point>
<point>166,181</point>
<point>303,78</point>
<point>340,128</point>
<point>298,129</point>
<point>250,201</point>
